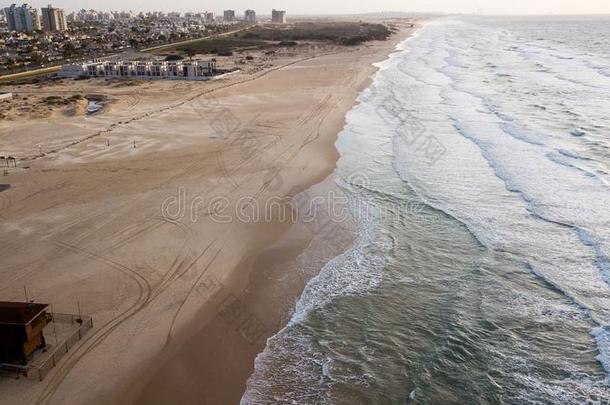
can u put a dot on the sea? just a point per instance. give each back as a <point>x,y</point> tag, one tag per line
<point>477,172</point>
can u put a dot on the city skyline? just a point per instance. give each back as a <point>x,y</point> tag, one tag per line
<point>264,7</point>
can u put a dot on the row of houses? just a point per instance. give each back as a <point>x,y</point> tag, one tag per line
<point>173,70</point>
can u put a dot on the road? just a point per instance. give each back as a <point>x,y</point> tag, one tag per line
<point>36,72</point>
<point>190,41</point>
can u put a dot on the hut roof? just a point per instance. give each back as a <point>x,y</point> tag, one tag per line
<point>19,313</point>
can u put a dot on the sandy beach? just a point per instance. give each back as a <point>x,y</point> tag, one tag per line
<point>165,218</point>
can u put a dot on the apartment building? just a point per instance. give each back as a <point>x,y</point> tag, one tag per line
<point>229,15</point>
<point>54,19</point>
<point>278,16</point>
<point>208,18</point>
<point>22,18</point>
<point>250,16</point>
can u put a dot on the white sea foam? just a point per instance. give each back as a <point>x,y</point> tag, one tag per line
<point>501,175</point>
<point>503,108</point>
<point>602,336</point>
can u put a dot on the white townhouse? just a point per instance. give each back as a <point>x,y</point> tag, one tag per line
<point>172,70</point>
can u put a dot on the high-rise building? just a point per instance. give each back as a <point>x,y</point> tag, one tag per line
<point>250,16</point>
<point>278,16</point>
<point>229,15</point>
<point>54,19</point>
<point>23,18</point>
<point>9,14</point>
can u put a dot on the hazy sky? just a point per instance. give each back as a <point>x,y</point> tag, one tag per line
<point>343,6</point>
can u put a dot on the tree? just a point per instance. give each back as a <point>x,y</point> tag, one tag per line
<point>190,53</point>
<point>68,50</point>
<point>38,58</point>
<point>10,64</point>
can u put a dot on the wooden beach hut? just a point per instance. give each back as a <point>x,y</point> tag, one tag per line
<point>21,326</point>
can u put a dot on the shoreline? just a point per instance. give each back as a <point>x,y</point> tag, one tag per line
<point>289,247</point>
<point>154,284</point>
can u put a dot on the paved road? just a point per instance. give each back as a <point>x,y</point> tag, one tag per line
<point>36,72</point>
<point>190,41</point>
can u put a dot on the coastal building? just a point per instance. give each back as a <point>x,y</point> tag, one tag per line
<point>208,18</point>
<point>54,19</point>
<point>21,326</point>
<point>154,70</point>
<point>278,16</point>
<point>22,18</point>
<point>229,15</point>
<point>250,16</point>
<point>6,96</point>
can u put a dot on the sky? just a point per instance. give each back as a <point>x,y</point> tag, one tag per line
<point>341,6</point>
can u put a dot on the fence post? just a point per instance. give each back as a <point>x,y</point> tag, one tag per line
<point>39,375</point>
<point>53,358</point>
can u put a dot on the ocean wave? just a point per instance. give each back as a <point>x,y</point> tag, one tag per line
<point>511,180</point>
<point>560,160</point>
<point>572,155</point>
<point>602,337</point>
<point>514,176</point>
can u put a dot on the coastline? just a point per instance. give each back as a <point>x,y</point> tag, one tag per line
<point>100,237</point>
<point>277,273</point>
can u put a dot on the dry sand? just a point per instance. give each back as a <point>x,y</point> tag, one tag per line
<point>83,222</point>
